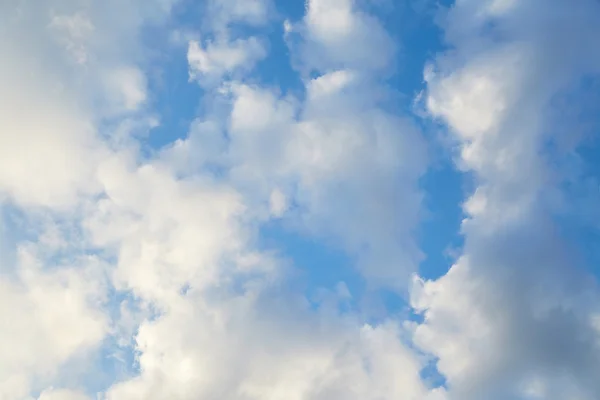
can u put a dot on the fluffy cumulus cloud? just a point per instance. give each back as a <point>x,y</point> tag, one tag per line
<point>129,273</point>
<point>340,33</point>
<point>514,316</point>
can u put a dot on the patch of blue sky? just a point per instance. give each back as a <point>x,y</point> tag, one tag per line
<point>573,117</point>
<point>10,235</point>
<point>175,99</point>
<point>440,240</point>
<point>413,26</point>
<point>318,263</point>
<point>116,359</point>
<point>276,69</point>
<point>581,222</point>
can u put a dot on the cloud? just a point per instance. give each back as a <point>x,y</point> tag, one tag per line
<point>75,30</point>
<point>338,34</point>
<point>513,316</point>
<point>48,318</point>
<point>226,12</point>
<point>226,301</point>
<point>59,136</point>
<point>305,356</point>
<point>342,150</point>
<point>62,394</point>
<point>54,99</point>
<point>156,260</point>
<point>330,84</point>
<point>177,241</point>
<point>214,61</point>
<point>127,86</point>
<point>223,55</point>
<point>277,203</point>
<point>334,155</point>
<point>54,287</point>
<point>156,236</point>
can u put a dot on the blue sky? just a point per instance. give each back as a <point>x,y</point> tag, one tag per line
<point>299,200</point>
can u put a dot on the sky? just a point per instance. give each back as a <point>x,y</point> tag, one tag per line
<point>290,200</point>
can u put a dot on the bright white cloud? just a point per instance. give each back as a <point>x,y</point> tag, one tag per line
<point>156,236</point>
<point>330,84</point>
<point>53,287</point>
<point>45,157</point>
<point>307,356</point>
<point>47,319</point>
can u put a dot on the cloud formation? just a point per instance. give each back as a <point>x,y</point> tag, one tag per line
<point>134,274</point>
<point>514,317</point>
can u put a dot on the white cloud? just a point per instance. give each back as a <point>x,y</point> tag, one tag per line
<point>268,346</point>
<point>225,12</point>
<point>46,158</point>
<point>226,56</point>
<point>224,301</point>
<point>76,30</point>
<point>47,142</point>
<point>512,317</point>
<point>211,316</point>
<point>342,156</point>
<point>62,394</point>
<point>331,19</point>
<point>127,87</point>
<point>221,300</point>
<point>338,34</point>
<point>156,233</point>
<point>331,83</point>
<point>51,106</point>
<point>47,319</point>
<point>53,101</point>
<point>215,60</point>
<point>277,203</point>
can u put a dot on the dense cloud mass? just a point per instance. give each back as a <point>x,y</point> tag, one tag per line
<point>137,271</point>
<point>515,317</point>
